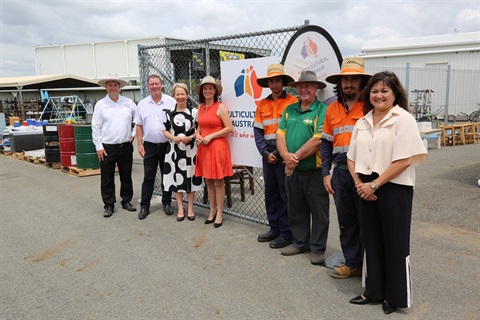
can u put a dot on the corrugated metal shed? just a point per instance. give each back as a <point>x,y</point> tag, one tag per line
<point>96,59</point>
<point>450,42</point>
<point>447,64</point>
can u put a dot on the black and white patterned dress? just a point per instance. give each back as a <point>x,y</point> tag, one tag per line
<point>180,159</point>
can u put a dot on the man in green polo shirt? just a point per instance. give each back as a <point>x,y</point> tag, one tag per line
<point>298,142</point>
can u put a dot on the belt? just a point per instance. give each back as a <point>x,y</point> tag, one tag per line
<point>119,145</point>
<point>158,144</point>
<point>341,166</point>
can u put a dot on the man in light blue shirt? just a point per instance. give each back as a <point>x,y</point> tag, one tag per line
<point>152,144</point>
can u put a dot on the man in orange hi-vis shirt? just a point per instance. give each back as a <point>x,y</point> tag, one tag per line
<point>337,130</point>
<point>268,115</point>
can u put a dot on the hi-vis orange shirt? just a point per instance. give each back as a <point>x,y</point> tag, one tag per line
<point>337,132</point>
<point>267,117</point>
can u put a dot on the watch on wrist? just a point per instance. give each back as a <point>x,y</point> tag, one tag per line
<point>373,185</point>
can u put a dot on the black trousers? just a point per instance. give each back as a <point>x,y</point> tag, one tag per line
<point>386,232</point>
<point>154,158</point>
<point>308,210</point>
<point>276,198</point>
<point>120,155</point>
<point>348,213</point>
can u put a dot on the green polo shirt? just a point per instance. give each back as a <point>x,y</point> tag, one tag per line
<point>299,126</point>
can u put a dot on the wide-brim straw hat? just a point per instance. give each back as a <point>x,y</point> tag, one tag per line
<point>112,77</point>
<point>275,70</point>
<point>210,80</point>
<point>352,66</point>
<point>308,77</point>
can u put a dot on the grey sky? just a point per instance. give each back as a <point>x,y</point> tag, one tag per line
<point>26,23</point>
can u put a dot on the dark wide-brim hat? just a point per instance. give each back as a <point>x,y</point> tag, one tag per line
<point>275,70</point>
<point>112,77</point>
<point>352,66</point>
<point>308,77</point>
<point>210,80</point>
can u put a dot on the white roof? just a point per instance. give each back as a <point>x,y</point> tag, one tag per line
<point>46,82</point>
<point>159,38</point>
<point>456,39</point>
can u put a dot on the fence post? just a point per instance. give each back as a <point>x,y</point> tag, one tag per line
<point>207,59</point>
<point>447,96</point>
<point>407,78</point>
<point>142,57</point>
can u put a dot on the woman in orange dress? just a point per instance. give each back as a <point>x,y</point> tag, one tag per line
<point>213,154</point>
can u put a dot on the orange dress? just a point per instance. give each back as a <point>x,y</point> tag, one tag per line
<point>213,159</point>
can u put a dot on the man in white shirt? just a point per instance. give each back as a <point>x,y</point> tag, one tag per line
<point>112,136</point>
<point>152,144</point>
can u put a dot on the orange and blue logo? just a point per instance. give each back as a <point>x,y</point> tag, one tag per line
<point>309,48</point>
<point>246,83</point>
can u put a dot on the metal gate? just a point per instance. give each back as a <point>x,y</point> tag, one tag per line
<point>189,62</point>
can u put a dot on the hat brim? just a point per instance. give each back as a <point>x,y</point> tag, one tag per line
<point>321,84</point>
<point>263,81</point>
<point>198,87</point>
<point>334,78</point>
<point>103,82</point>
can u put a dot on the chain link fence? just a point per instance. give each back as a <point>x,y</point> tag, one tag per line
<point>454,91</point>
<point>189,62</point>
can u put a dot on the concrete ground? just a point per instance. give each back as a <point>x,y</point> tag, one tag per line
<point>60,259</point>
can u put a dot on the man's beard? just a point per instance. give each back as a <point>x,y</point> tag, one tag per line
<point>349,96</point>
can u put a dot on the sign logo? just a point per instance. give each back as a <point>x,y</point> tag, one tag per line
<point>309,48</point>
<point>246,83</point>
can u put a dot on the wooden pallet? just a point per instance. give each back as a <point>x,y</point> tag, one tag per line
<point>53,165</point>
<point>74,171</point>
<point>19,155</point>
<point>32,159</point>
<point>7,153</point>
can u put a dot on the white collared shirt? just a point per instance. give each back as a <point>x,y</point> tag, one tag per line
<point>395,137</point>
<point>151,115</point>
<point>112,121</point>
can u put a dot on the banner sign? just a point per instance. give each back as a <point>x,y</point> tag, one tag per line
<point>241,93</point>
<point>312,48</point>
<point>227,56</point>
<point>198,61</point>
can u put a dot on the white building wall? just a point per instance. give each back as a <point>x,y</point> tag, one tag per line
<point>110,57</point>
<point>453,72</point>
<point>79,60</point>
<point>93,60</point>
<point>49,60</point>
<point>469,60</point>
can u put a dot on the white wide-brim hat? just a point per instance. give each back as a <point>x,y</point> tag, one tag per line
<point>209,80</point>
<point>111,77</point>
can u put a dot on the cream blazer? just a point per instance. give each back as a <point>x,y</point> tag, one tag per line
<point>395,137</point>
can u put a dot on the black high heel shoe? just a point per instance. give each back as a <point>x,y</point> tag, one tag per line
<point>211,221</point>
<point>191,218</point>
<point>361,299</point>
<point>387,309</point>
<point>217,225</point>
<point>180,218</point>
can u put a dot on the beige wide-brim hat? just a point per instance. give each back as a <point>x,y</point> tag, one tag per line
<point>275,70</point>
<point>352,66</point>
<point>308,77</point>
<point>111,77</point>
<point>210,80</point>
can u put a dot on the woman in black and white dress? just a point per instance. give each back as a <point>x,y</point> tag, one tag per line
<point>179,171</point>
